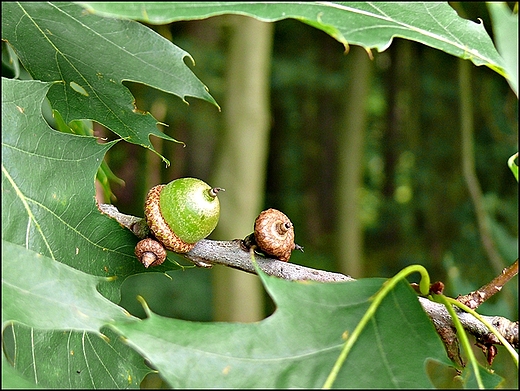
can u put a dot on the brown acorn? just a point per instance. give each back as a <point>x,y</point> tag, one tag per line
<point>150,252</point>
<point>274,234</point>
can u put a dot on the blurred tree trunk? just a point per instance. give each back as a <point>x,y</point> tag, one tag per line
<point>350,165</point>
<point>241,168</point>
<point>469,166</point>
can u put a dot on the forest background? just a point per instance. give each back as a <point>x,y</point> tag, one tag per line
<point>399,127</point>
<point>367,154</point>
<point>364,155</point>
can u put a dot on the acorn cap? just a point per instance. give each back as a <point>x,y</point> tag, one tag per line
<point>150,252</point>
<point>158,226</point>
<point>274,234</point>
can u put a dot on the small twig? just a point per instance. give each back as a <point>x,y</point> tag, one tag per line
<point>476,298</point>
<point>441,319</point>
<point>229,253</point>
<point>135,224</point>
<point>234,254</point>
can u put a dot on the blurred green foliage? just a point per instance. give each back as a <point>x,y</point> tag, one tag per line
<point>415,203</point>
<point>416,208</point>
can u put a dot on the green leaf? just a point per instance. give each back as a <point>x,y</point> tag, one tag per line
<point>92,55</point>
<point>60,219</point>
<point>505,27</point>
<point>297,345</point>
<point>371,25</point>
<point>11,378</point>
<point>73,359</point>
<point>50,220</point>
<point>83,127</point>
<point>42,293</point>
<point>489,379</point>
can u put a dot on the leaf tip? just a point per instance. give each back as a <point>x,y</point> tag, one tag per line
<point>110,278</point>
<point>141,300</point>
<point>104,337</point>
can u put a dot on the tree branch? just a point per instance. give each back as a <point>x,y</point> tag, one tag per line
<point>476,298</point>
<point>233,253</point>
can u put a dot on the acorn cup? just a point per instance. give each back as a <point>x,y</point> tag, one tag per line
<point>273,235</point>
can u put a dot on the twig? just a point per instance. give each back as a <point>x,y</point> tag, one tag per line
<point>135,224</point>
<point>442,320</point>
<point>476,298</point>
<point>233,254</point>
<point>207,253</point>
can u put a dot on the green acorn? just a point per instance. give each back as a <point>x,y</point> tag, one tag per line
<point>182,212</point>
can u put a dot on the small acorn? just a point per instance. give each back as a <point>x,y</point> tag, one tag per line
<point>150,252</point>
<point>273,235</point>
<point>180,214</point>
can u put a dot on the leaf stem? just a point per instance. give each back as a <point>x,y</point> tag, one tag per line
<point>377,299</point>
<point>462,336</point>
<point>512,165</point>
<point>500,337</point>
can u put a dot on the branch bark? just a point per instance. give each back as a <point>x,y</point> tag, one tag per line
<point>235,255</point>
<point>476,298</point>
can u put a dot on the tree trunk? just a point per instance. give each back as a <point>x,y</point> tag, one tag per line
<point>469,169</point>
<point>241,168</point>
<point>350,166</point>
